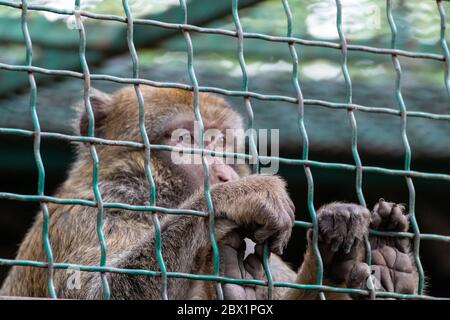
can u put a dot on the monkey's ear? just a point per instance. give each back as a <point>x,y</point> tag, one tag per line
<point>99,101</point>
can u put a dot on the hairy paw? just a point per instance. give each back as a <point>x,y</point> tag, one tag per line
<point>341,224</point>
<point>342,228</point>
<point>234,263</point>
<point>263,210</point>
<point>389,216</point>
<point>258,205</point>
<point>393,265</point>
<point>391,271</point>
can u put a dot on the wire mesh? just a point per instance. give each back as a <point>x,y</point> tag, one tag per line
<point>186,29</point>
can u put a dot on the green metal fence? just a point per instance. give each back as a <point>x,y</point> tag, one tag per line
<point>186,29</point>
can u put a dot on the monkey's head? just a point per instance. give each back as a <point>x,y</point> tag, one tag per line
<point>169,120</point>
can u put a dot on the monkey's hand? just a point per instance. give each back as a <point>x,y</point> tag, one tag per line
<point>259,205</point>
<point>234,264</point>
<point>393,268</point>
<point>342,228</point>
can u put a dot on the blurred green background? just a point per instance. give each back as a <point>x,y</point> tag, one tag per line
<point>163,58</point>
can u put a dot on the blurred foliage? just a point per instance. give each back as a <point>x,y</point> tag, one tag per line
<point>365,23</point>
<point>314,19</point>
<point>138,7</point>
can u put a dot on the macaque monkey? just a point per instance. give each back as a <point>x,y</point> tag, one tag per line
<point>253,206</point>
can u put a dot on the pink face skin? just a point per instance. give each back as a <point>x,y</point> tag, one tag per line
<point>191,164</point>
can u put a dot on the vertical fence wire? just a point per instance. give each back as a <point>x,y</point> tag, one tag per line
<point>305,148</point>
<point>95,161</point>
<point>250,117</point>
<point>445,49</point>
<point>243,66</point>
<point>407,164</point>
<point>291,41</point>
<point>200,137</point>
<point>37,151</point>
<point>354,127</point>
<point>147,151</point>
<point>349,98</point>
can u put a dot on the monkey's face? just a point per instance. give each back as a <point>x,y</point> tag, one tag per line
<point>170,120</point>
<point>183,133</point>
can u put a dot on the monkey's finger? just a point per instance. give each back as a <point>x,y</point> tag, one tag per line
<point>259,251</point>
<point>336,243</point>
<point>254,267</point>
<point>280,240</point>
<point>231,255</point>
<point>254,271</point>
<point>276,239</point>
<point>229,262</point>
<point>263,234</point>
<point>235,267</point>
<point>364,277</point>
<point>358,276</point>
<point>230,269</point>
<point>348,244</point>
<point>277,231</point>
<point>398,221</point>
<point>405,282</point>
<point>250,293</point>
<point>240,258</point>
<point>233,239</point>
<point>381,214</point>
<point>233,291</point>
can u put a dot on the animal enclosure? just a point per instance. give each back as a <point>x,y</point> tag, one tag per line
<point>295,46</point>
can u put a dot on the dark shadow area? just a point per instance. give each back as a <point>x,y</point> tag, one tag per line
<point>330,185</point>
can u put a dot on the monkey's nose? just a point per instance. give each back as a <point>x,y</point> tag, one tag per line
<point>223,173</point>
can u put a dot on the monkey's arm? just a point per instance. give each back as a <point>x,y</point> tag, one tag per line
<point>393,265</point>
<point>259,203</point>
<point>183,237</point>
<point>130,245</point>
<point>341,231</point>
<point>342,228</point>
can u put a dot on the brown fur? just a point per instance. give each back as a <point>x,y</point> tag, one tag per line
<point>253,200</point>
